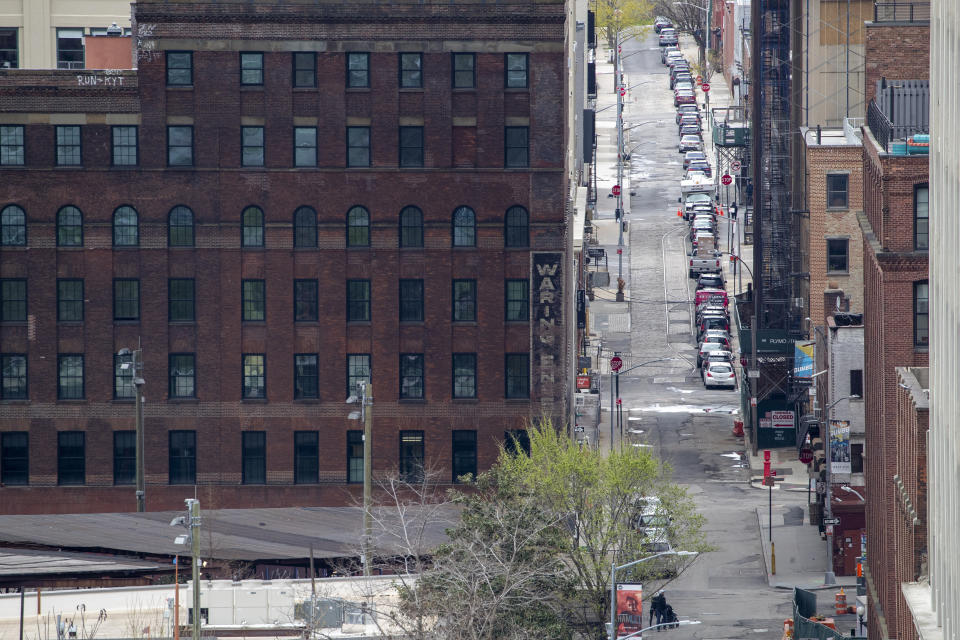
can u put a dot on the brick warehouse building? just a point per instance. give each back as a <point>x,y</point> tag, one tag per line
<point>285,198</point>
<point>895,230</point>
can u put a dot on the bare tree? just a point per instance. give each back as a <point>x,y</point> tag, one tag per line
<point>689,16</point>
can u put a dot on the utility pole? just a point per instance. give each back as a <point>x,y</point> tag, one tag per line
<point>193,506</point>
<point>366,411</point>
<point>619,87</point>
<point>138,383</point>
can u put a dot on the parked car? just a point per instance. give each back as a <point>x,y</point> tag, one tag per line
<point>684,87</point>
<point>690,130</point>
<point>715,296</point>
<point>684,97</point>
<point>710,281</point>
<point>691,156</point>
<point>716,339</point>
<point>668,36</point>
<point>690,143</point>
<point>674,58</point>
<point>702,165</point>
<point>694,121</point>
<point>687,109</point>
<point>679,67</point>
<point>707,347</point>
<point>712,322</point>
<point>664,51</point>
<point>719,374</point>
<point>662,23</point>
<point>682,77</point>
<point>700,262</point>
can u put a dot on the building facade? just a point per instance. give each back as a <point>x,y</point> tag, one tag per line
<point>280,202</point>
<point>895,229</point>
<point>53,34</point>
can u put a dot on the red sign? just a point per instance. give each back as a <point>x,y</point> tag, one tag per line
<point>766,463</point>
<point>806,455</point>
<point>583,382</point>
<point>616,363</point>
<point>623,92</point>
<point>726,179</point>
<point>629,610</point>
<point>699,79</point>
<point>616,190</point>
<point>705,86</point>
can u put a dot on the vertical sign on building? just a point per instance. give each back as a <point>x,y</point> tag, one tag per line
<point>546,352</point>
<point>840,446</point>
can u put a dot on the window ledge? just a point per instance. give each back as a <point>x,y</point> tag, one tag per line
<point>307,400</point>
<point>9,401</point>
<point>254,322</point>
<point>358,323</point>
<point>412,400</point>
<point>125,323</point>
<point>70,248</point>
<point>180,87</point>
<point>410,89</point>
<point>183,400</point>
<point>838,209</point>
<point>464,89</point>
<point>357,89</point>
<point>69,167</point>
<point>251,87</point>
<point>13,323</point>
<point>466,400</point>
<point>517,400</point>
<point>464,323</point>
<point>71,401</point>
<point>516,322</point>
<point>306,323</point>
<point>182,323</point>
<point>123,400</point>
<point>304,89</point>
<point>254,400</point>
<point>845,272</point>
<point>921,349</point>
<point>516,89</point>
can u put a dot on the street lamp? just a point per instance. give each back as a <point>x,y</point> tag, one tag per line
<point>133,362</point>
<point>615,387</point>
<point>365,397</point>
<point>613,586</point>
<point>829,577</point>
<point>753,373</point>
<point>192,522</point>
<point>854,492</point>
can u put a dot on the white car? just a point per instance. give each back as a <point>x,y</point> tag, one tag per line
<point>709,347</point>
<point>691,143</point>
<point>719,374</point>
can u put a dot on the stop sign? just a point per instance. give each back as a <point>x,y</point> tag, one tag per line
<point>726,179</point>
<point>806,455</point>
<point>616,363</point>
<point>705,86</point>
<point>616,190</point>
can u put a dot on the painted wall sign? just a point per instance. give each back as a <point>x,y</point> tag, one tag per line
<point>546,354</point>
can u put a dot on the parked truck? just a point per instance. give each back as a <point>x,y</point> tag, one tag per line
<point>699,190</point>
<point>705,258</point>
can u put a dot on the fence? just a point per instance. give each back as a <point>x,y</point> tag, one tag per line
<point>804,607</point>
<point>901,11</point>
<point>900,109</point>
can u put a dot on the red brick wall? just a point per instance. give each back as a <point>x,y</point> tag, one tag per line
<point>217,190</point>
<point>895,51</point>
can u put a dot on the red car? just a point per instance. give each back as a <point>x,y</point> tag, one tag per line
<point>684,97</point>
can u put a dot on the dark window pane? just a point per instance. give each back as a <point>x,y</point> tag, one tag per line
<point>125,152</point>
<point>13,377</point>
<point>126,299</point>
<point>358,146</point>
<point>252,220</point>
<point>464,375</point>
<point>921,314</point>
<point>411,146</point>
<point>181,227</point>
<point>254,453</point>
<point>70,300</point>
<point>464,300</point>
<point>516,67</point>
<point>411,70</point>
<point>306,457</point>
<point>358,300</point>
<point>179,68</point>
<point>254,376</point>
<point>254,300</point>
<point>464,70</point>
<point>411,301</point>
<point>123,387</point>
<point>9,51</point>
<point>180,146</point>
<point>464,227</point>
<point>358,369</point>
<point>305,227</point>
<point>306,376</point>
<point>518,375</point>
<point>183,375</point>
<point>70,377</point>
<point>71,457</point>
<point>411,375</point>
<point>69,227</point>
<point>358,70</point>
<point>13,226</point>
<point>921,215</point>
<point>305,69</point>
<point>355,456</point>
<point>837,191</point>
<point>126,227</point>
<point>411,227</point>
<point>837,254</point>
<point>305,146</point>
<point>181,299</point>
<point>464,453</point>
<point>411,455</point>
<point>251,68</point>
<point>11,141</point>
<point>124,457</point>
<point>253,150</point>
<point>13,300</point>
<point>305,303</point>
<point>517,228</point>
<point>517,149</point>
<point>183,457</point>
<point>70,49</point>
<point>516,441</point>
<point>518,300</point>
<point>856,382</point>
<point>358,227</point>
<point>15,458</point>
<point>68,146</point>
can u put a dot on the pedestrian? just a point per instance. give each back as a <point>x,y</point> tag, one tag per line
<point>657,604</point>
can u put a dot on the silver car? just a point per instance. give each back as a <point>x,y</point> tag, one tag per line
<point>691,143</point>
<point>719,374</point>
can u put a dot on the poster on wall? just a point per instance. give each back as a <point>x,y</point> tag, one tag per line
<point>840,446</point>
<point>629,609</point>
<point>803,360</point>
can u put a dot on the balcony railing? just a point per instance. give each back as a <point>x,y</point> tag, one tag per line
<point>884,11</point>
<point>880,126</point>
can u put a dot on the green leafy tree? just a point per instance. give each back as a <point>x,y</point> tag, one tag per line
<point>614,16</point>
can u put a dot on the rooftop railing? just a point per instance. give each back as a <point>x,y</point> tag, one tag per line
<point>884,11</point>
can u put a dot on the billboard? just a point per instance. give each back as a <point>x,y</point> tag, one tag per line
<point>629,609</point>
<point>840,446</point>
<point>803,360</point>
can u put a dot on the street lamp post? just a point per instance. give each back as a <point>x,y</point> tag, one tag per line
<point>829,577</point>
<point>135,363</point>
<point>613,584</point>
<point>753,373</point>
<point>615,389</point>
<point>365,397</point>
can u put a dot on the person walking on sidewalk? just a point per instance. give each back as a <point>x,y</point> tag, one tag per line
<point>657,604</point>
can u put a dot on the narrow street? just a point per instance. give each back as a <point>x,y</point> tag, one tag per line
<point>665,405</point>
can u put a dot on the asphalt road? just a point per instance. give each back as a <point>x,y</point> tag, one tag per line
<point>665,404</point>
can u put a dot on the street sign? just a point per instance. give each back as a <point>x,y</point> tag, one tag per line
<point>699,79</point>
<point>623,91</point>
<point>583,382</point>
<point>596,252</point>
<point>726,179</point>
<point>616,363</point>
<point>821,487</point>
<point>616,190</point>
<point>578,429</point>
<point>806,455</point>
<point>831,521</point>
<point>735,166</point>
<point>705,86</point>
<point>753,373</point>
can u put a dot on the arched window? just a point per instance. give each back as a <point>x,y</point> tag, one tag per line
<point>252,222</point>
<point>69,227</point>
<point>181,227</point>
<point>358,227</point>
<point>305,227</point>
<point>411,227</point>
<point>13,226</point>
<point>516,232</point>
<point>464,227</point>
<point>126,229</point>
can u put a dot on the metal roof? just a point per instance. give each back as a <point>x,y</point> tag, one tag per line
<point>228,534</point>
<point>33,563</point>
